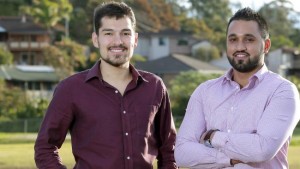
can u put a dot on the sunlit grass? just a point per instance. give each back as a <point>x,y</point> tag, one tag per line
<point>16,151</point>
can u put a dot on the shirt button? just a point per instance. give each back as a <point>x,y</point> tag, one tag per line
<point>126,134</point>
<point>128,158</point>
<point>116,91</point>
<point>228,130</point>
<point>124,112</point>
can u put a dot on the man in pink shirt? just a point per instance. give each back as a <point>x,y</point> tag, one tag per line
<point>245,118</point>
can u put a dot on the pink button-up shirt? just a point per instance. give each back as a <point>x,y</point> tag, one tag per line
<point>255,123</point>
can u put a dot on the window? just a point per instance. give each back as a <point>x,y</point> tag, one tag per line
<point>182,42</point>
<point>161,41</point>
<point>24,59</point>
<point>34,86</point>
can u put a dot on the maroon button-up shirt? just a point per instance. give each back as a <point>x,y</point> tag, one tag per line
<point>108,130</point>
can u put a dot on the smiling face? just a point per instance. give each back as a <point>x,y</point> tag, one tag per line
<point>245,46</point>
<point>116,40</point>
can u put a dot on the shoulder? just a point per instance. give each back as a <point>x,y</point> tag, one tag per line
<point>208,88</point>
<point>211,83</point>
<point>279,85</point>
<point>277,80</point>
<point>150,77</point>
<point>73,81</point>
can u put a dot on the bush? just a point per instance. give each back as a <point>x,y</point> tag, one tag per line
<point>183,86</point>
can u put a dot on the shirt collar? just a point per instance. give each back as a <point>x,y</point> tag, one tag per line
<point>258,75</point>
<point>95,72</point>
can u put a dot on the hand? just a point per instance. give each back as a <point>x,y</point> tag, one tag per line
<point>234,162</point>
<point>204,137</point>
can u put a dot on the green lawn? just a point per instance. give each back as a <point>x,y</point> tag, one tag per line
<point>16,151</point>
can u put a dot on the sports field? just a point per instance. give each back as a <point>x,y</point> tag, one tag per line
<point>16,151</point>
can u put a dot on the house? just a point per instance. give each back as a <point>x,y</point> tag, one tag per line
<point>285,61</point>
<point>154,45</point>
<point>24,39</point>
<point>36,81</point>
<point>222,62</point>
<point>169,67</point>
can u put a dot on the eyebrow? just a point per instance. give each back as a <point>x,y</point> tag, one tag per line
<point>109,30</point>
<point>246,35</point>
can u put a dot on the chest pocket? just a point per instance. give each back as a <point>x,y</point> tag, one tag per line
<point>144,118</point>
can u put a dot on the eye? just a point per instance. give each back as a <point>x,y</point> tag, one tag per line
<point>232,39</point>
<point>108,33</point>
<point>127,33</point>
<point>249,39</point>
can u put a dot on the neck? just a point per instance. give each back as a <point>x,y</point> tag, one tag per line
<point>118,77</point>
<point>243,78</point>
<point>114,73</point>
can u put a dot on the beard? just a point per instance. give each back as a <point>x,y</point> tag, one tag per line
<point>115,63</point>
<point>245,66</point>
<point>116,60</point>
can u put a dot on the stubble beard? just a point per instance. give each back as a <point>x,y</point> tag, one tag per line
<point>115,60</point>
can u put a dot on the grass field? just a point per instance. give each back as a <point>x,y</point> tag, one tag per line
<point>16,151</point>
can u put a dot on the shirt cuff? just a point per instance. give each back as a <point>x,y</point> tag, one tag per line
<point>223,160</point>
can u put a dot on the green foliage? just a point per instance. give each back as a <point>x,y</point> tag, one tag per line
<point>295,37</point>
<point>6,56</point>
<point>296,81</point>
<point>281,26</point>
<point>183,86</point>
<point>207,54</point>
<point>79,19</point>
<point>137,58</point>
<point>15,104</point>
<point>277,15</point>
<point>214,14</point>
<point>11,8</point>
<point>280,41</point>
<point>65,56</point>
<point>48,12</point>
<point>11,101</point>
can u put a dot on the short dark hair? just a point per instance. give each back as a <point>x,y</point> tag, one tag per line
<point>248,14</point>
<point>112,9</point>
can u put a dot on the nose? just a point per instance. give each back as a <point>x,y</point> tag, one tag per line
<point>117,39</point>
<point>241,46</point>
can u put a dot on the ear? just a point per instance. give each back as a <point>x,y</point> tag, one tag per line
<point>95,40</point>
<point>136,39</point>
<point>267,45</point>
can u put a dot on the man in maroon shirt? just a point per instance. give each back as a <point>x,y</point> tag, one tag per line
<point>118,117</point>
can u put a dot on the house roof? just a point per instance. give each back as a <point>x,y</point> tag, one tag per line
<point>176,63</point>
<point>20,25</point>
<point>28,73</point>
<point>169,33</point>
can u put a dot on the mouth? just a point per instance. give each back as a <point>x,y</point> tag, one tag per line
<point>241,55</point>
<point>116,49</point>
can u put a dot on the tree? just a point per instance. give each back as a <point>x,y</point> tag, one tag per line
<point>14,104</point>
<point>281,26</point>
<point>6,56</point>
<point>65,56</point>
<point>48,12</point>
<point>11,8</point>
<point>207,54</point>
<point>183,86</point>
<point>11,101</point>
<point>279,41</point>
<point>215,14</point>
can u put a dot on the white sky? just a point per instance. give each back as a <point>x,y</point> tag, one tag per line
<point>256,4</point>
